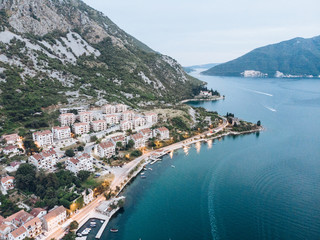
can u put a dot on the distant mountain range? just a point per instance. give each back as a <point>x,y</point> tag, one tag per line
<point>204,66</point>
<point>298,57</point>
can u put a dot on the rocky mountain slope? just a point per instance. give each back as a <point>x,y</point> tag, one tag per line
<point>64,52</point>
<point>298,57</point>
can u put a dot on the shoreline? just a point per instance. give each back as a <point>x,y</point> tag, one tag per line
<point>123,180</point>
<point>203,99</point>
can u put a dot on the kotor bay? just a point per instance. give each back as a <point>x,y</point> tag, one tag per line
<point>259,186</point>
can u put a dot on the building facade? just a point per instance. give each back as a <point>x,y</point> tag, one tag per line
<point>43,138</point>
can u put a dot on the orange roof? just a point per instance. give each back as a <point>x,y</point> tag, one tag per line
<point>10,147</point>
<point>111,115</point>
<point>163,129</point>
<point>18,232</point>
<point>61,128</point>
<point>32,222</point>
<point>74,160</point>
<point>21,215</point>
<point>7,178</point>
<point>145,131</point>
<point>80,124</point>
<point>136,136</point>
<point>54,213</point>
<point>45,132</point>
<point>118,138</point>
<point>3,227</point>
<point>105,145</point>
<point>11,137</point>
<point>35,212</point>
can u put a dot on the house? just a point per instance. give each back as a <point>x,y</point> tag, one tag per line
<point>38,212</point>
<point>61,132</point>
<point>85,117</point>
<point>108,109</point>
<point>45,160</point>
<point>205,94</point>
<point>11,138</point>
<point>138,122</point>
<point>138,139</point>
<point>87,196</point>
<point>162,133</point>
<point>105,149</point>
<point>83,162</point>
<point>11,149</point>
<point>127,115</point>
<point>7,183</point>
<point>77,109</point>
<point>151,118</point>
<point>67,119</point>
<point>120,138</point>
<point>146,133</point>
<point>4,231</point>
<point>18,219</point>
<point>121,108</point>
<point>13,167</point>
<point>126,125</point>
<point>33,227</point>
<point>43,138</point>
<point>99,125</point>
<point>18,234</point>
<point>56,216</point>
<point>112,119</point>
<point>81,128</point>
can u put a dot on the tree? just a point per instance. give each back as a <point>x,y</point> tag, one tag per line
<point>130,144</point>
<point>93,138</point>
<point>83,175</point>
<point>259,123</point>
<point>70,153</point>
<point>26,177</point>
<point>136,153</point>
<point>74,225</point>
<point>119,145</point>
<point>60,165</point>
<point>69,236</point>
<point>80,148</point>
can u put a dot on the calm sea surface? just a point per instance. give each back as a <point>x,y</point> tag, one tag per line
<point>258,186</point>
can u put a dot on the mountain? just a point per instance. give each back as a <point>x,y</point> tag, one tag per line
<point>298,57</point>
<point>55,52</point>
<point>204,66</point>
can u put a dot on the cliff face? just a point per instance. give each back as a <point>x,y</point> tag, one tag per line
<point>63,51</point>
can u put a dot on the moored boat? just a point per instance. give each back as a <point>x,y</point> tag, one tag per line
<point>114,230</point>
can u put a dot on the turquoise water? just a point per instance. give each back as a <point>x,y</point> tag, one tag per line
<point>258,186</point>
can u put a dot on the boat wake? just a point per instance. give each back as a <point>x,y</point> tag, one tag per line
<point>262,93</point>
<point>212,216</point>
<point>271,109</point>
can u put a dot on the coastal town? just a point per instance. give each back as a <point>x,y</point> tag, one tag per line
<point>107,145</point>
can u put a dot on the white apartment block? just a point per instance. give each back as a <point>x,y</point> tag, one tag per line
<point>146,133</point>
<point>121,108</point>
<point>105,149</point>
<point>127,115</point>
<point>18,234</point>
<point>120,138</point>
<point>11,149</point>
<point>33,227</point>
<point>83,162</point>
<point>54,218</point>
<point>61,132</point>
<point>126,125</point>
<point>43,138</point>
<point>45,160</point>
<point>112,119</point>
<point>151,118</point>
<point>67,119</point>
<point>139,122</point>
<point>99,125</point>
<point>85,117</point>
<point>108,109</point>
<point>81,128</point>
<point>138,139</point>
<point>162,132</point>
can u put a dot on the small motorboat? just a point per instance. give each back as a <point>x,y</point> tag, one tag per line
<point>79,234</point>
<point>114,230</point>
<point>142,173</point>
<point>143,176</point>
<point>173,166</point>
<point>150,168</point>
<point>101,221</point>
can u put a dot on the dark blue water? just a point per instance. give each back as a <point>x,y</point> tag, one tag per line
<point>258,186</point>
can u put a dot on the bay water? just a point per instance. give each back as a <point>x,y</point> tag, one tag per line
<point>257,186</point>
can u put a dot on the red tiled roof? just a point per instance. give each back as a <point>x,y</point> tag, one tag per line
<point>10,137</point>
<point>18,232</point>
<point>145,131</point>
<point>10,147</point>
<point>66,114</point>
<point>136,136</point>
<point>74,160</point>
<point>150,114</point>
<point>99,121</point>
<point>35,212</point>
<point>7,178</point>
<point>163,129</point>
<point>33,222</point>
<point>54,213</point>
<point>13,164</point>
<point>45,132</point>
<point>21,215</point>
<point>85,113</point>
<point>61,128</point>
<point>80,124</point>
<point>105,145</point>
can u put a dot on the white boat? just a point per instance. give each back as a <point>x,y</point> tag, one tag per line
<point>142,173</point>
<point>79,234</point>
<point>173,166</point>
<point>101,221</point>
<point>150,168</point>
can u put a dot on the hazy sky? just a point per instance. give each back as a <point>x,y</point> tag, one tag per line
<point>212,31</point>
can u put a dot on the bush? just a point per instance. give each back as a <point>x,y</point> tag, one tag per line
<point>70,153</point>
<point>136,153</point>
